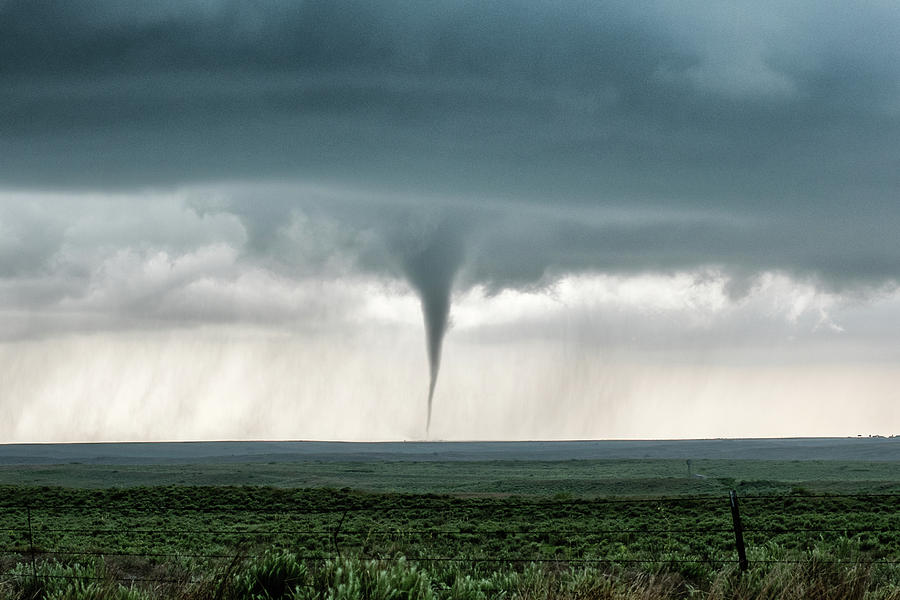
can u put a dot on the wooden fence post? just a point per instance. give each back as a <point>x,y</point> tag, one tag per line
<point>31,544</point>
<point>336,532</point>
<point>738,532</point>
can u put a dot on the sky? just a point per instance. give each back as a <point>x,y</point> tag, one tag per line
<point>223,219</point>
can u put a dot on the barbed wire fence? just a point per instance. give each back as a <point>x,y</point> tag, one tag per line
<point>329,542</point>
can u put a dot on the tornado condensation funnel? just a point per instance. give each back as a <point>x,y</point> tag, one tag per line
<point>431,269</point>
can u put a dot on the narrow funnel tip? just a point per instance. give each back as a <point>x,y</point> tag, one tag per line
<point>430,397</point>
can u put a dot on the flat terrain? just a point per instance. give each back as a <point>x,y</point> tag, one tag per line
<point>588,478</point>
<point>511,546</point>
<point>218,521</point>
<point>847,449</point>
<point>498,519</point>
<point>523,468</point>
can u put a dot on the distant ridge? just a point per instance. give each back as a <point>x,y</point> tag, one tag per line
<point>847,449</point>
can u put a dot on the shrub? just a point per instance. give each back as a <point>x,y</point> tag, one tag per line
<point>76,581</point>
<point>272,575</point>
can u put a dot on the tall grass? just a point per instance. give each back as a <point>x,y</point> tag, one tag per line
<point>284,575</point>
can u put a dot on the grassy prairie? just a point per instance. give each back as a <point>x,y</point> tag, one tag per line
<point>576,477</point>
<point>635,528</point>
<point>195,533</point>
<point>286,575</point>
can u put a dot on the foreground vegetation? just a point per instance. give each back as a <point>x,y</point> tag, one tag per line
<point>285,575</point>
<point>264,542</point>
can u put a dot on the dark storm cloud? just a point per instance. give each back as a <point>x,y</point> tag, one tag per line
<point>562,136</point>
<point>677,180</point>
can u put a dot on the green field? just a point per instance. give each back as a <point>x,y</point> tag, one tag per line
<point>516,529</point>
<point>576,477</point>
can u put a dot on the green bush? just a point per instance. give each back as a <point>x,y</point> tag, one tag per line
<point>75,581</point>
<point>350,579</point>
<point>273,575</point>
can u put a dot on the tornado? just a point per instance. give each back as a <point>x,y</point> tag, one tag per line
<point>430,269</point>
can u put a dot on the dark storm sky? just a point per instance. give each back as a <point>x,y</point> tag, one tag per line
<point>694,184</point>
<point>758,134</point>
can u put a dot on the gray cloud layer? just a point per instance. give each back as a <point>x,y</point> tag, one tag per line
<point>558,136</point>
<point>705,188</point>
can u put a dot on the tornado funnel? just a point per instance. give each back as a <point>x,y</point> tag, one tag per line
<point>431,268</point>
